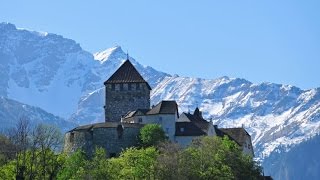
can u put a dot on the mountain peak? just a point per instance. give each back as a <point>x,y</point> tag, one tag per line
<point>115,51</point>
<point>7,26</point>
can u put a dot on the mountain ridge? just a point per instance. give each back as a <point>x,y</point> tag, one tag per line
<point>69,83</point>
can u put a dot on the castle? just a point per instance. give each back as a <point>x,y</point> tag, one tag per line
<point>127,110</point>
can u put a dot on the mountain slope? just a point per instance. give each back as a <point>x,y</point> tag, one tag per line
<point>294,163</point>
<point>11,111</point>
<point>52,72</point>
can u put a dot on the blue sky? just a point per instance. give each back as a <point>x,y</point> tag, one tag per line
<point>262,41</point>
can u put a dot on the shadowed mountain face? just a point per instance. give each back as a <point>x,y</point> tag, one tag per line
<point>298,162</point>
<point>12,111</point>
<point>55,74</point>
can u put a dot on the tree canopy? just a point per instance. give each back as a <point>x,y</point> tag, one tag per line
<point>151,135</point>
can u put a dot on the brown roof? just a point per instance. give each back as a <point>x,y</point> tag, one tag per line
<point>126,73</point>
<point>237,134</point>
<point>164,107</point>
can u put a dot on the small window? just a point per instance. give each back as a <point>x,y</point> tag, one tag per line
<point>140,120</point>
<point>182,129</point>
<point>71,137</point>
<point>137,86</point>
<point>117,88</point>
<point>129,86</point>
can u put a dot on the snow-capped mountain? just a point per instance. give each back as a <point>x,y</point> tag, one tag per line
<point>47,70</point>
<point>12,111</point>
<point>57,75</point>
<point>273,114</point>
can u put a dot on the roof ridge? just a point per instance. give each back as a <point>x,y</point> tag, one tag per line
<point>126,73</point>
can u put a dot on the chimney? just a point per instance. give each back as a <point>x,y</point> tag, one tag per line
<point>197,113</point>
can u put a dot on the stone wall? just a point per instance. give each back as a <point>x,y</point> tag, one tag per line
<point>110,138</point>
<point>121,98</point>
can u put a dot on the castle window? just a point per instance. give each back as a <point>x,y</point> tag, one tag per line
<point>121,87</point>
<point>125,86</point>
<point>117,88</point>
<point>113,87</point>
<point>71,137</point>
<point>140,120</point>
<point>137,86</point>
<point>129,86</point>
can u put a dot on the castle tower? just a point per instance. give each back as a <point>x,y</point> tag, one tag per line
<point>126,90</point>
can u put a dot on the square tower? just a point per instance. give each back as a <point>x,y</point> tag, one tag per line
<point>126,90</point>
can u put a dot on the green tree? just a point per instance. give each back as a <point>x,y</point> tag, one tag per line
<point>151,134</point>
<point>75,166</point>
<point>217,158</point>
<point>137,163</point>
<point>8,171</point>
<point>7,150</point>
<point>99,165</point>
<point>167,166</point>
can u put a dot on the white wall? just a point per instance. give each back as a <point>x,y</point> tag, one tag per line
<point>167,121</point>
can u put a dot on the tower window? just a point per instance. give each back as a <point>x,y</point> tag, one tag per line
<point>137,86</point>
<point>125,86</point>
<point>117,87</point>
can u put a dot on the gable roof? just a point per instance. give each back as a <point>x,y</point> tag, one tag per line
<point>126,73</point>
<point>237,134</point>
<point>189,129</point>
<point>164,107</point>
<point>195,126</point>
<point>136,112</point>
